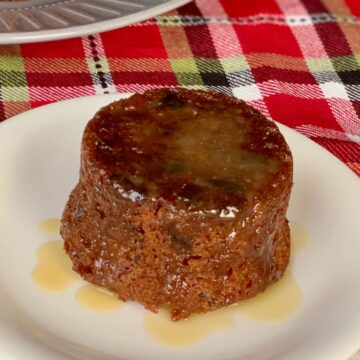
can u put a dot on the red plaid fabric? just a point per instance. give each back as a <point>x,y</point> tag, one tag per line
<point>297,61</point>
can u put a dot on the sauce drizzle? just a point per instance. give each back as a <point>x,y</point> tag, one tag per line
<point>50,226</point>
<point>53,272</point>
<point>96,298</point>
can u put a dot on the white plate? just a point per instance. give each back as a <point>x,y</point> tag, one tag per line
<point>43,20</point>
<point>39,162</point>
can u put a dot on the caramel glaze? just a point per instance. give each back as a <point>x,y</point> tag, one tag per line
<point>195,153</point>
<point>181,201</point>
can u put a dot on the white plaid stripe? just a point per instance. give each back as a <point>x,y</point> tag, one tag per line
<point>227,44</point>
<point>312,47</point>
<point>318,131</point>
<point>102,62</point>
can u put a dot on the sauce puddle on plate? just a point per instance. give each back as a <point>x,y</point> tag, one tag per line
<point>97,298</point>
<point>50,226</point>
<point>54,273</point>
<point>188,331</point>
<point>299,237</point>
<point>278,302</point>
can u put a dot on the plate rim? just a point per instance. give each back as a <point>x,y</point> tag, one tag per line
<point>7,38</point>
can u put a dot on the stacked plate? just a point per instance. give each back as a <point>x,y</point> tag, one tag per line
<point>42,20</point>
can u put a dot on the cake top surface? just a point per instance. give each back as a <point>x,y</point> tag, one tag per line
<point>198,149</point>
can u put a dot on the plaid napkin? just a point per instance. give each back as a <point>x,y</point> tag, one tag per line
<point>297,61</point>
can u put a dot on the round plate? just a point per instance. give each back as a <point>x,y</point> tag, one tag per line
<point>43,20</point>
<point>39,162</point>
